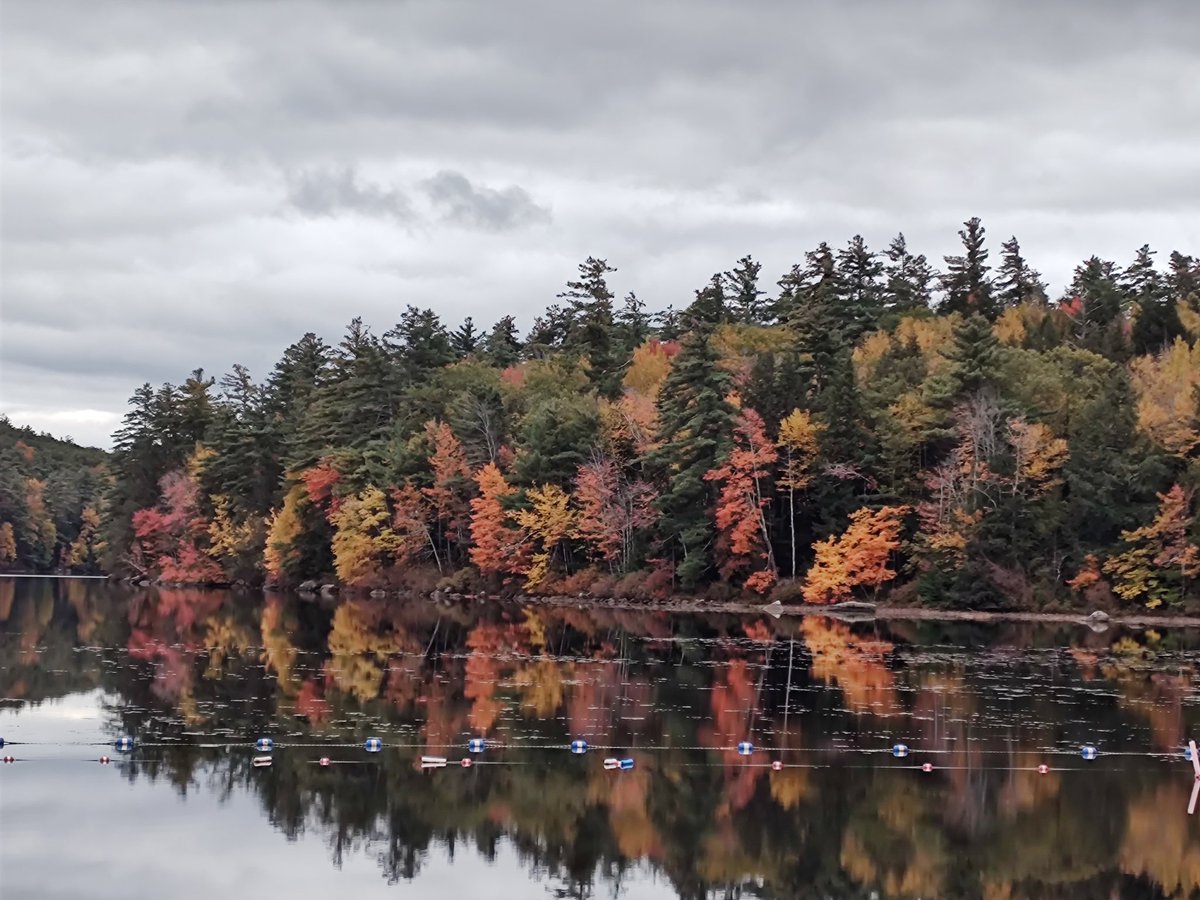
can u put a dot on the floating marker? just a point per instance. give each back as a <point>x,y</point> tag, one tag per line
<point>900,750</point>
<point>1043,769</point>
<point>104,760</point>
<point>1,742</point>
<point>324,760</point>
<point>433,762</point>
<point>612,763</point>
<point>9,759</point>
<point>475,745</point>
<point>372,745</point>
<point>261,761</point>
<point>579,746</point>
<point>627,764</point>
<point>776,765</point>
<point>1195,766</point>
<point>745,748</point>
<point>1087,751</point>
<point>466,762</point>
<point>124,744</point>
<point>264,745</point>
<point>1187,752</point>
<point>927,767</point>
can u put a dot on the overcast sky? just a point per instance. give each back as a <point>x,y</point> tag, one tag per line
<point>199,183</point>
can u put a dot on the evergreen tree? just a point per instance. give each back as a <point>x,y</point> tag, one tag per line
<point>591,324</point>
<point>669,324</point>
<point>502,347</point>
<point>861,288</point>
<point>1157,319</point>
<point>741,288</point>
<point>465,339</point>
<point>974,358</point>
<point>291,389</point>
<point>1183,280</point>
<point>632,325</point>
<point>245,466</point>
<point>1016,282</point>
<point>909,279</point>
<point>549,333</point>
<point>694,424</point>
<point>417,346</point>
<point>809,303</point>
<point>966,284</point>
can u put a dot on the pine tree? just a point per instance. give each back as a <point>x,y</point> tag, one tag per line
<point>465,339</point>
<point>1157,322</point>
<point>859,276</point>
<point>502,347</point>
<point>591,324</point>
<point>909,279</point>
<point>1183,281</point>
<point>694,425</point>
<point>291,389</point>
<point>1016,282</point>
<point>632,324</point>
<point>741,288</point>
<point>1095,303</point>
<point>974,358</point>
<point>809,305</point>
<point>966,284</point>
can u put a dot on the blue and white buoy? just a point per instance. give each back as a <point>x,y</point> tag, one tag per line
<point>627,764</point>
<point>476,745</point>
<point>124,744</point>
<point>264,745</point>
<point>1187,752</point>
<point>900,750</point>
<point>1,742</point>
<point>1087,751</point>
<point>579,746</point>
<point>373,745</point>
<point>745,748</point>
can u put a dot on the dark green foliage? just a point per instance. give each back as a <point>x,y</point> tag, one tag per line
<point>590,326</point>
<point>1157,320</point>
<point>556,436</point>
<point>465,339</point>
<point>966,283</point>
<point>975,358</point>
<point>632,325</point>
<point>502,347</point>
<point>861,288</point>
<point>1016,282</point>
<point>744,297</point>
<point>909,279</point>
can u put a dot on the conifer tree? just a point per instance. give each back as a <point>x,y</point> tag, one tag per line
<point>966,283</point>
<point>909,279</point>
<point>744,297</point>
<point>860,282</point>
<point>1016,282</point>
<point>502,346</point>
<point>1157,320</point>
<point>590,331</point>
<point>632,324</point>
<point>465,339</point>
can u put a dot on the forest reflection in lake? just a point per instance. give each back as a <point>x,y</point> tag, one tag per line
<point>196,676</point>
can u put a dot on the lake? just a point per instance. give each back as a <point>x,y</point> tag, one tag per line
<point>818,807</point>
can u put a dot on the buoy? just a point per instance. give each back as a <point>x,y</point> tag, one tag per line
<point>261,761</point>
<point>927,767</point>
<point>432,762</point>
<point>627,764</point>
<point>612,763</point>
<point>324,760</point>
<point>900,750</point>
<point>124,744</point>
<point>9,759</point>
<point>264,745</point>
<point>745,748</point>
<point>372,745</point>
<point>465,762</point>
<point>1043,769</point>
<point>104,760</point>
<point>1,742</point>
<point>579,746</point>
<point>1187,752</point>
<point>776,765</point>
<point>1087,751</point>
<point>475,745</point>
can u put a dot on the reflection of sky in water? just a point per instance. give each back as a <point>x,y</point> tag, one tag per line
<point>71,828</point>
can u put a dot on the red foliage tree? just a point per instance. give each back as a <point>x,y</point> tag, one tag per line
<point>451,482</point>
<point>175,533</point>
<point>319,482</point>
<point>611,511</point>
<point>497,544</point>
<point>743,542</point>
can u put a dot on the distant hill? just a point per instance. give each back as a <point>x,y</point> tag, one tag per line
<point>51,493</point>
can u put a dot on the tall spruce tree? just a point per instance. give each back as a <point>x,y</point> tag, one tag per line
<point>910,279</point>
<point>1016,282</point>
<point>861,288</point>
<point>502,346</point>
<point>632,325</point>
<point>1157,318</point>
<point>1095,302</point>
<point>591,329</point>
<point>694,425</point>
<point>966,284</point>
<point>746,304</point>
<point>809,303</point>
<point>464,340</point>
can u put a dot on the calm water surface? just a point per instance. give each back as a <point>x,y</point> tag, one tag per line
<point>196,676</point>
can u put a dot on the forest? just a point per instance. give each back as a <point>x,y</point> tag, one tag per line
<point>869,425</point>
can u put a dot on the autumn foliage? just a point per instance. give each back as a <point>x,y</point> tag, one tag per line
<point>859,557</point>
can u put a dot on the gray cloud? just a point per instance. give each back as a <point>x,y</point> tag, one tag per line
<point>149,144</point>
<point>331,192</point>
<point>482,207</point>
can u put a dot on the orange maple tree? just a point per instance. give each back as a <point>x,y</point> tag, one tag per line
<point>497,544</point>
<point>859,557</point>
<point>743,542</point>
<point>451,482</point>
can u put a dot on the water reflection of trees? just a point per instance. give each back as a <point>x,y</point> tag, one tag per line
<point>427,674</point>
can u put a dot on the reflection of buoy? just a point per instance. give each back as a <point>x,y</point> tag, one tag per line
<point>612,763</point>
<point>372,745</point>
<point>465,762</point>
<point>1043,769</point>
<point>1087,751</point>
<point>433,762</point>
<point>261,761</point>
<point>745,748</point>
<point>627,764</point>
<point>264,745</point>
<point>1,742</point>
<point>124,744</point>
<point>9,759</point>
<point>927,767</point>
<point>579,746</point>
<point>104,760</point>
<point>900,750</point>
<point>475,745</point>
<point>324,760</point>
<point>1187,752</point>
<point>776,765</point>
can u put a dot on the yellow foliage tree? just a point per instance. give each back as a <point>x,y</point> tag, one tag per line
<point>860,557</point>
<point>1038,458</point>
<point>363,539</point>
<point>8,543</point>
<point>1167,387</point>
<point>232,543</point>
<point>799,439</point>
<point>87,547</point>
<point>1160,559</point>
<point>550,520</point>
<point>284,526</point>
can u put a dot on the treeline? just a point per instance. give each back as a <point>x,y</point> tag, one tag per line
<point>51,495</point>
<point>865,420</point>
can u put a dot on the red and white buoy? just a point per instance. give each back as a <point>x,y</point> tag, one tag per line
<point>104,760</point>
<point>927,767</point>
<point>465,762</point>
<point>1043,769</point>
<point>324,760</point>
<point>776,765</point>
